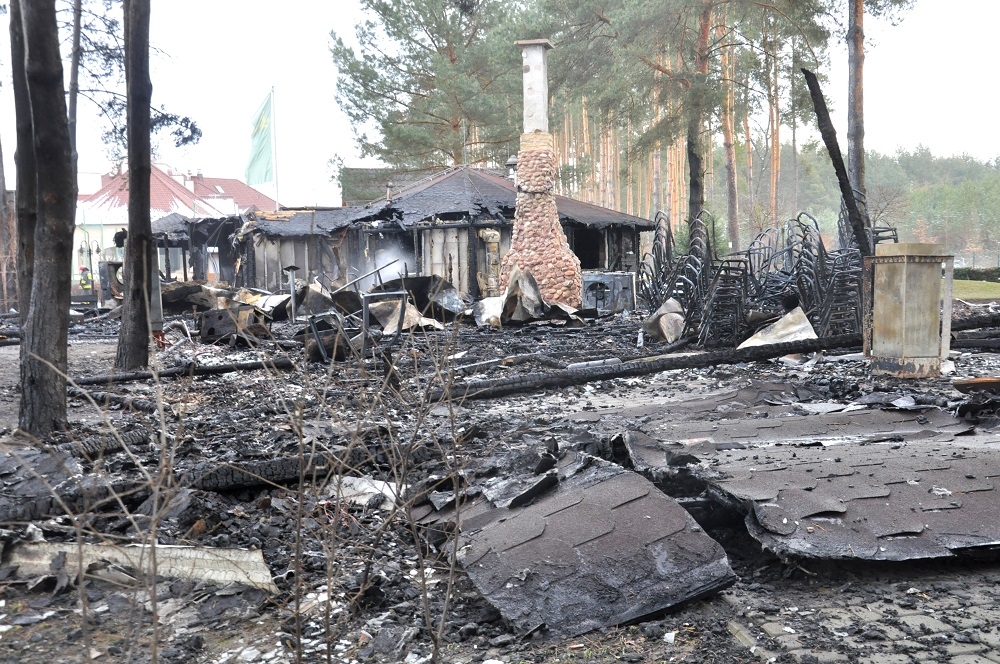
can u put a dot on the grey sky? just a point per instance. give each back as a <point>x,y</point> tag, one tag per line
<point>926,82</point>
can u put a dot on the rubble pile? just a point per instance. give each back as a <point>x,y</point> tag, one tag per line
<point>538,244</point>
<point>393,524</point>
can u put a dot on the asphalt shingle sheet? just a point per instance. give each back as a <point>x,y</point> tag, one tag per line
<point>602,548</point>
<point>861,482</point>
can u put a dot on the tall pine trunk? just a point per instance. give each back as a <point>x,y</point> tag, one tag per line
<point>44,334</point>
<point>793,114</point>
<point>24,161</point>
<point>855,95</point>
<point>8,246</point>
<point>729,142</point>
<point>74,77</point>
<point>140,253</point>
<point>696,117</point>
<point>748,142</point>
<point>774,103</point>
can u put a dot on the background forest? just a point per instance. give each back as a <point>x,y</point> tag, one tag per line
<point>638,88</point>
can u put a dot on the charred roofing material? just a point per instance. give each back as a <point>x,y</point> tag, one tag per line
<point>458,193</point>
<point>176,230</point>
<point>302,223</point>
<point>603,547</point>
<point>832,481</point>
<point>463,191</point>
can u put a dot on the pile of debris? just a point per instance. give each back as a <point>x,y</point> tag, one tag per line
<point>723,300</point>
<point>372,510</point>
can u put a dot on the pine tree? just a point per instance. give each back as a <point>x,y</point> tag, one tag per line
<point>432,82</point>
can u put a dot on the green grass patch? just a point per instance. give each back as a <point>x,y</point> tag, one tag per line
<point>976,290</point>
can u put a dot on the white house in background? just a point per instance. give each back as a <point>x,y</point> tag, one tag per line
<point>105,212</point>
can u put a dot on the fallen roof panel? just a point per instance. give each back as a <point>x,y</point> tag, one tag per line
<point>923,501</point>
<point>870,483</point>
<point>604,547</point>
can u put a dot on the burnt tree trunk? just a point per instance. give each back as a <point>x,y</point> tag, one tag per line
<point>829,135</point>
<point>140,254</point>
<point>43,344</point>
<point>855,95</point>
<point>8,246</point>
<point>24,160</point>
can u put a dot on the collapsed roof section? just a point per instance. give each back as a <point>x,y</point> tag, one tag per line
<point>302,223</point>
<point>584,545</point>
<point>176,230</point>
<point>873,480</point>
<point>457,192</point>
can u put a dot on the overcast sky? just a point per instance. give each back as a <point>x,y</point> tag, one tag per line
<point>926,82</point>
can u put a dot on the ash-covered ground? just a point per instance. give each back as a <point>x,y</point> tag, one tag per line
<point>198,461</point>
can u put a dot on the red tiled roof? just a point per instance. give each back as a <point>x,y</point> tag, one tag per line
<point>246,197</point>
<point>167,195</point>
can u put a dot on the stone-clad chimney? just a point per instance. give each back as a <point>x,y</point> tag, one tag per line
<point>538,244</point>
<point>536,84</point>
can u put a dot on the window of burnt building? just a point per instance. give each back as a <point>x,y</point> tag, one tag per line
<point>588,245</point>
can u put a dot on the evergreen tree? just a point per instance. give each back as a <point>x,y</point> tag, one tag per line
<point>432,82</point>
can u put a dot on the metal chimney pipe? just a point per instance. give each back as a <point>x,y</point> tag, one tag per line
<point>536,84</point>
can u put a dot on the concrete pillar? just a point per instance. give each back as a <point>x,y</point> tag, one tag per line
<point>911,317</point>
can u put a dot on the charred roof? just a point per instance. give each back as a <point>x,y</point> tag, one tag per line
<point>176,230</point>
<point>477,192</point>
<point>460,192</point>
<point>303,223</point>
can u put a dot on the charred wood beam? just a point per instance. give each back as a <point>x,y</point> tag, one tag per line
<point>509,361</point>
<point>96,446</point>
<point>91,495</point>
<point>829,135</point>
<point>74,499</point>
<point>112,399</point>
<point>975,322</point>
<point>194,370</point>
<point>217,476</point>
<point>488,389</point>
<point>980,333</point>
<point>983,344</point>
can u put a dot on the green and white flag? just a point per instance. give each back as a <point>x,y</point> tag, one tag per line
<point>260,168</point>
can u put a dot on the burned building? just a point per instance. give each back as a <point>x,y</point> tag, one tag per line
<point>455,224</point>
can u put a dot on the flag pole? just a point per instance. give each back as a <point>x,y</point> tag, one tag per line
<point>274,148</point>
